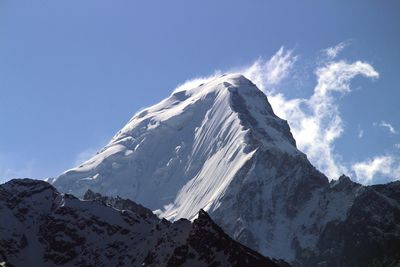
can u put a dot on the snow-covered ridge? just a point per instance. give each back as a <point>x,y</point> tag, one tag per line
<point>186,149</point>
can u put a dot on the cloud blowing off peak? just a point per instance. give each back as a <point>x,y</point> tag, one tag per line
<point>315,121</point>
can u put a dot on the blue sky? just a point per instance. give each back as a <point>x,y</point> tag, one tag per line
<point>72,73</point>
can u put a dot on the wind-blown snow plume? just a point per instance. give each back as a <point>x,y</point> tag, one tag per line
<point>191,83</point>
<point>272,71</point>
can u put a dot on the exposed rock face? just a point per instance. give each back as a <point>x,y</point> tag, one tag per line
<point>368,236</point>
<point>42,227</point>
<point>220,147</point>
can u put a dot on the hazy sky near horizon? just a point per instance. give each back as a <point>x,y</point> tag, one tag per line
<point>72,73</point>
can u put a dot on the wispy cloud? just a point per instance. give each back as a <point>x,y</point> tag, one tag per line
<point>360,132</point>
<point>367,170</point>
<point>264,73</point>
<point>315,121</point>
<point>333,52</point>
<point>270,72</point>
<point>387,126</point>
<point>397,146</point>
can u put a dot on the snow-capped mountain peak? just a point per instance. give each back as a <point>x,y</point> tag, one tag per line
<point>186,149</point>
<point>218,146</point>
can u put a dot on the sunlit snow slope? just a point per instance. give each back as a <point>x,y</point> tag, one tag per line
<point>181,155</point>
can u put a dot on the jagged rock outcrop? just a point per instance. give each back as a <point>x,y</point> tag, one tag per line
<point>41,227</point>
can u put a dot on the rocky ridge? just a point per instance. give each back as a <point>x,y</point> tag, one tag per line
<point>43,227</point>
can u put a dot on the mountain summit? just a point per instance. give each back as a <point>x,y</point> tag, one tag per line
<point>181,155</point>
<point>220,147</point>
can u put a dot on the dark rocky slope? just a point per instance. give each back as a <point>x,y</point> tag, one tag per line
<point>41,227</point>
